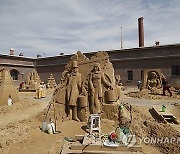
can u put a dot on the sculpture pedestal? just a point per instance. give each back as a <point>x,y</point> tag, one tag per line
<point>110,111</point>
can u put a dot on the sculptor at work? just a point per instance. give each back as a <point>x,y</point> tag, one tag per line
<point>73,90</point>
<point>153,81</point>
<point>96,79</point>
<point>166,86</point>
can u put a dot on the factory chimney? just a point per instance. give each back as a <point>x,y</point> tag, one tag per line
<point>141,32</point>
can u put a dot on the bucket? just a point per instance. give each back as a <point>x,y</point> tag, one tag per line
<point>82,101</point>
<point>51,128</point>
<point>121,107</point>
<point>110,96</point>
<point>163,108</point>
<point>44,126</point>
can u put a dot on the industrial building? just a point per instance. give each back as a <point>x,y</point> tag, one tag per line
<point>128,63</point>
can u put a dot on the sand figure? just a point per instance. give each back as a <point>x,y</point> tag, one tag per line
<point>96,79</point>
<point>153,81</point>
<point>32,83</point>
<point>73,90</point>
<point>33,80</point>
<point>118,80</point>
<point>51,83</point>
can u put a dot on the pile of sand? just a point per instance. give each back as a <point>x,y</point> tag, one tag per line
<point>146,94</point>
<point>13,133</point>
<point>145,126</point>
<point>26,103</point>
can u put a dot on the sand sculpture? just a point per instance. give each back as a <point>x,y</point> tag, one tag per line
<point>32,83</point>
<point>118,80</point>
<point>51,83</point>
<point>73,90</point>
<point>96,81</point>
<point>86,85</point>
<point>152,79</point>
<point>7,88</point>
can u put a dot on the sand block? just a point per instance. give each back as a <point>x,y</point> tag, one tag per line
<point>110,111</point>
<point>111,152</point>
<point>7,88</point>
<point>98,148</point>
<point>79,137</point>
<point>91,140</point>
<point>67,149</point>
<point>135,148</point>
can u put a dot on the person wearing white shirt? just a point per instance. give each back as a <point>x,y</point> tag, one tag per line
<point>10,101</point>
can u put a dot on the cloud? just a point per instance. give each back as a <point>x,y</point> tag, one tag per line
<point>56,26</point>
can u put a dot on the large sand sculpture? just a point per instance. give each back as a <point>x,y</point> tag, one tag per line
<point>86,86</point>
<point>151,79</point>
<point>32,83</point>
<point>7,88</point>
<point>51,83</point>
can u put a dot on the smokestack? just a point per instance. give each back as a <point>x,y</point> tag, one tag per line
<point>141,32</point>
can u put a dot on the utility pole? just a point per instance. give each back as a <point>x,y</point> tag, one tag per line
<point>121,38</point>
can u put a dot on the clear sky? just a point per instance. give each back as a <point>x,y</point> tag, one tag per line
<point>51,27</point>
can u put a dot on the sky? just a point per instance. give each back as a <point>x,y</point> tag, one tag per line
<point>51,27</point>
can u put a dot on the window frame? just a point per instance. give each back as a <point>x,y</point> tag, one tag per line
<point>129,75</point>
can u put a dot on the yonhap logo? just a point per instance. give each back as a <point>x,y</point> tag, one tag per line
<point>129,140</point>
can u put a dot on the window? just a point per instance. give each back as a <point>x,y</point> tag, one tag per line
<point>175,69</point>
<point>14,74</point>
<point>130,75</point>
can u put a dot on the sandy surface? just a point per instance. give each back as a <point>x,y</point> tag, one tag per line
<point>20,125</point>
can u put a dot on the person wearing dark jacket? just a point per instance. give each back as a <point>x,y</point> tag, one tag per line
<point>166,86</point>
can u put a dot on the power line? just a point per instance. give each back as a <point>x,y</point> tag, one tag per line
<point>10,42</point>
<point>16,43</point>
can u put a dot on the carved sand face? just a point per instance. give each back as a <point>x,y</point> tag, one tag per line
<point>153,75</point>
<point>75,70</point>
<point>97,67</point>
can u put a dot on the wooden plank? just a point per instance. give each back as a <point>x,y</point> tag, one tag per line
<point>159,111</point>
<point>164,116</point>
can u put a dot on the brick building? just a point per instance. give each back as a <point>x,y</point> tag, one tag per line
<point>129,63</point>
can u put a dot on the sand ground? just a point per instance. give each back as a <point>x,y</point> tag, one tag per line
<point>20,124</point>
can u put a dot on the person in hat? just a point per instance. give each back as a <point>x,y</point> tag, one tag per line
<point>73,90</point>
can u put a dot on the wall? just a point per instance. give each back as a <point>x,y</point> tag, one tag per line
<point>135,59</point>
<point>21,64</point>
